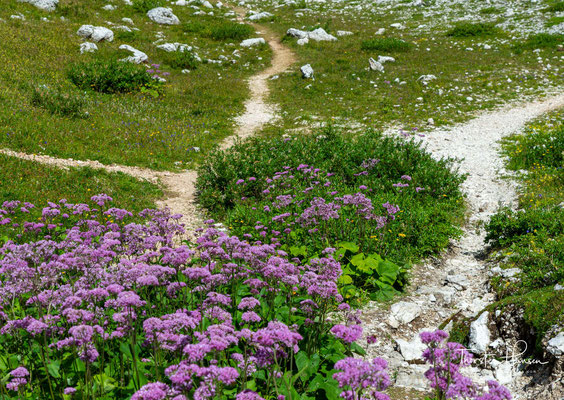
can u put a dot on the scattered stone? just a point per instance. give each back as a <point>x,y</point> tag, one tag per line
<point>252,42</point>
<point>128,21</point>
<point>18,16</point>
<point>207,4</point>
<point>88,47</point>
<point>95,33</point>
<point>163,15</point>
<point>109,7</point>
<point>412,377</point>
<point>397,25</point>
<point>411,350</point>
<point>425,79</point>
<point>375,65</point>
<point>480,336</point>
<point>344,33</point>
<point>503,371</point>
<point>380,31</point>
<point>459,282</point>
<point>170,47</point>
<point>138,56</point>
<point>556,345</point>
<point>385,59</point>
<point>487,47</point>
<point>318,34</point>
<point>46,5</point>
<point>259,16</point>
<point>558,287</point>
<point>403,312</point>
<point>307,71</point>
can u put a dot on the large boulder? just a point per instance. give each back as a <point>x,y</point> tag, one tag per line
<point>480,336</point>
<point>163,16</point>
<point>47,5</point>
<point>95,33</point>
<point>252,42</point>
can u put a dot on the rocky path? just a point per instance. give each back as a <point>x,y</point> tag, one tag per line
<point>180,187</point>
<point>457,283</point>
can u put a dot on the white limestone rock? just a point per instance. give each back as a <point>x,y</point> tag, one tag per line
<point>411,350</point>
<point>46,5</point>
<point>137,57</point>
<point>556,345</point>
<point>385,59</point>
<point>88,47</point>
<point>95,33</point>
<point>259,16</point>
<point>375,65</point>
<point>480,336</point>
<point>403,312</point>
<point>163,16</point>
<point>318,34</point>
<point>252,42</point>
<point>344,33</point>
<point>307,71</point>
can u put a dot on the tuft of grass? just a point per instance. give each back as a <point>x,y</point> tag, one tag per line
<point>34,182</point>
<point>142,6</point>
<point>469,29</point>
<point>540,41</point>
<point>556,7</point>
<point>231,31</point>
<point>490,11</point>
<point>108,76</point>
<point>180,60</point>
<point>386,44</point>
<point>58,102</point>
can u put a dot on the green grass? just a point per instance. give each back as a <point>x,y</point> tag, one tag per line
<point>468,29</point>
<point>532,239</point>
<point>195,110</point>
<point>389,45</point>
<point>540,41</point>
<point>427,219</point>
<point>490,11</point>
<point>231,31</point>
<point>555,7</point>
<point>142,6</point>
<point>36,183</point>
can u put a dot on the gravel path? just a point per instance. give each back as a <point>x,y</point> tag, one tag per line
<point>457,283</point>
<point>180,188</point>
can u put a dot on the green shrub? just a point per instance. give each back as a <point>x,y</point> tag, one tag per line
<point>109,76</point>
<point>424,225</point>
<point>142,6</point>
<point>540,41</point>
<point>468,29</point>
<point>556,7</point>
<point>193,27</point>
<point>386,44</point>
<point>58,102</point>
<point>231,31</point>
<point>180,60</point>
<point>127,36</point>
<point>490,10</point>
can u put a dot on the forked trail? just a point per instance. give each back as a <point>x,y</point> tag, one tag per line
<point>180,187</point>
<point>457,283</point>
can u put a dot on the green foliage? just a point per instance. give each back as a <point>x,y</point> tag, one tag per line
<point>424,225</point>
<point>540,41</point>
<point>555,7</point>
<point>142,6</point>
<point>490,10</point>
<point>390,45</point>
<point>469,29</point>
<point>193,27</point>
<point>108,76</point>
<point>58,102</point>
<point>180,60</point>
<point>231,31</point>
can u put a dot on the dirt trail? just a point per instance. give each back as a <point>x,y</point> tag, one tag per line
<point>457,283</point>
<point>180,188</point>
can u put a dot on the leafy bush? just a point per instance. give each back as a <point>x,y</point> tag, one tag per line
<point>370,165</point>
<point>490,10</point>
<point>556,7</point>
<point>142,6</point>
<point>386,44</point>
<point>540,41</point>
<point>231,31</point>
<point>180,60</point>
<point>58,102</point>
<point>109,76</point>
<point>469,29</point>
<point>193,27</point>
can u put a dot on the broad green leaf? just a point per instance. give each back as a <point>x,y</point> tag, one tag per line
<point>53,367</point>
<point>349,246</point>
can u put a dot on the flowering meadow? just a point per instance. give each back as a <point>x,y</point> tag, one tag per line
<point>98,303</point>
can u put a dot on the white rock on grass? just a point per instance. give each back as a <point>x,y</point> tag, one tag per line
<point>307,71</point>
<point>385,59</point>
<point>170,47</point>
<point>556,345</point>
<point>480,336</point>
<point>403,312</point>
<point>344,33</point>
<point>380,31</point>
<point>138,56</point>
<point>318,34</point>
<point>207,4</point>
<point>259,16</point>
<point>109,7</point>
<point>397,25</point>
<point>425,79</point>
<point>128,21</point>
<point>88,47</point>
<point>375,65</point>
<point>303,41</point>
<point>46,5</point>
<point>95,33</point>
<point>252,42</point>
<point>163,16</point>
